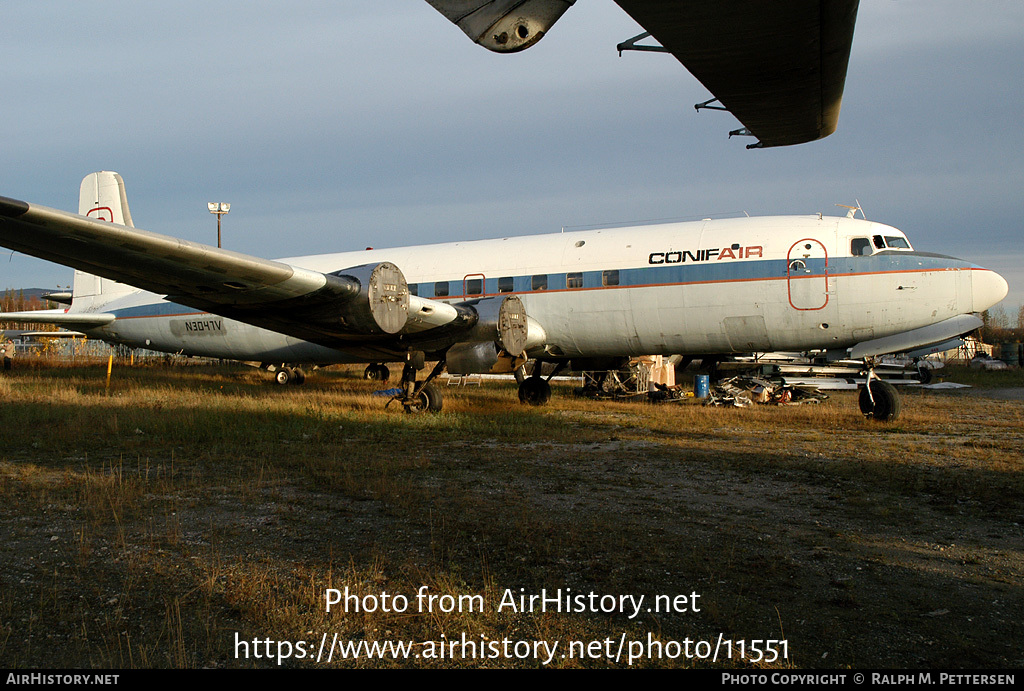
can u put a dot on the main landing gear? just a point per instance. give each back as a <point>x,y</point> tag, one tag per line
<point>418,397</point>
<point>289,375</point>
<point>378,372</point>
<point>535,390</point>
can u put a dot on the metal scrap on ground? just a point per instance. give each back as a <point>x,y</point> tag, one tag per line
<point>743,392</point>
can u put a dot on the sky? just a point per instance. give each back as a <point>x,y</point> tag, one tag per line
<point>333,125</point>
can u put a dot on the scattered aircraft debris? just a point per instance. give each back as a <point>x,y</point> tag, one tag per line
<point>743,392</point>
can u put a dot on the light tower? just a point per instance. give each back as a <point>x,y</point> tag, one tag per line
<point>219,208</point>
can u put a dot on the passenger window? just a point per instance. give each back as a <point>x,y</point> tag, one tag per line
<point>441,289</point>
<point>414,289</point>
<point>610,277</point>
<point>860,247</point>
<point>505,284</point>
<point>539,282</point>
<point>474,286</point>
<point>574,280</point>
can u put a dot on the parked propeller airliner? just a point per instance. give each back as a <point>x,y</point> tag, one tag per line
<point>792,283</point>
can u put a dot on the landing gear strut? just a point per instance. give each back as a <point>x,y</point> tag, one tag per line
<point>879,399</point>
<point>535,390</point>
<point>422,396</point>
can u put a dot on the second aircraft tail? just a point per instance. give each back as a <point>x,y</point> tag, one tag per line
<point>102,197</point>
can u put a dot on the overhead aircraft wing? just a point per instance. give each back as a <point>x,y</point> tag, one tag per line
<point>365,304</point>
<point>779,67</point>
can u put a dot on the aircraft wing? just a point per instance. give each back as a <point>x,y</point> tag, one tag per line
<point>364,304</point>
<point>778,67</point>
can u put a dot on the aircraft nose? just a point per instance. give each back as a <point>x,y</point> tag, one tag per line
<point>988,288</point>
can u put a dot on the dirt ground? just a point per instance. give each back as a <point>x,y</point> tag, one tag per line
<point>138,542</point>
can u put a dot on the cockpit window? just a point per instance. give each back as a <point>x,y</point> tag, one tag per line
<point>897,242</point>
<point>860,247</point>
<point>879,242</point>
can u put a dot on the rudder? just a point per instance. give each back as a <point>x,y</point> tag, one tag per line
<point>102,197</point>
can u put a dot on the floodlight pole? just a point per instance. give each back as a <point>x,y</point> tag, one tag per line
<point>219,208</point>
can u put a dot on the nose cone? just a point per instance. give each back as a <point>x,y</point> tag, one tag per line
<point>988,288</point>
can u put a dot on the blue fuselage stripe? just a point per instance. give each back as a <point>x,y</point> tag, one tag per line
<point>724,271</point>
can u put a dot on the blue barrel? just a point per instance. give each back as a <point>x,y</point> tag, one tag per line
<point>700,386</point>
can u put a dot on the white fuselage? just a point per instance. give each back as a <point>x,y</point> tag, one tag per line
<point>705,287</point>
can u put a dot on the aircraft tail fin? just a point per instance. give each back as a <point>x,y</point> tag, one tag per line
<point>102,197</point>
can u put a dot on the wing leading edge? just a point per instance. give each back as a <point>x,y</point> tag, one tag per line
<point>365,304</point>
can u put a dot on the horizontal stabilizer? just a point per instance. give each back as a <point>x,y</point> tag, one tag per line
<point>58,316</point>
<point>63,298</point>
<point>53,334</point>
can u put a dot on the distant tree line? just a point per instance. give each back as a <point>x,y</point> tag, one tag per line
<point>998,327</point>
<point>16,301</point>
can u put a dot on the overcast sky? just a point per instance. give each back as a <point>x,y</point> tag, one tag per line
<point>334,125</point>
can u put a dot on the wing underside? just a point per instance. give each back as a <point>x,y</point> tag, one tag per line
<point>779,67</point>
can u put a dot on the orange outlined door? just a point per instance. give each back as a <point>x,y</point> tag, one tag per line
<point>807,275</point>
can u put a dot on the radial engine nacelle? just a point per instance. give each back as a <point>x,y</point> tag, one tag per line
<point>504,26</point>
<point>499,339</point>
<point>375,297</point>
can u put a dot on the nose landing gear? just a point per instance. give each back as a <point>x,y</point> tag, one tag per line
<point>879,399</point>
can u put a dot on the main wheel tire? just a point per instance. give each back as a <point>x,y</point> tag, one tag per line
<point>534,391</point>
<point>383,373</point>
<point>370,372</point>
<point>886,406</point>
<point>924,374</point>
<point>298,377</point>
<point>427,399</point>
<point>283,375</point>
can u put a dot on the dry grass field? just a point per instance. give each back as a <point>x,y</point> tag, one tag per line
<point>155,523</point>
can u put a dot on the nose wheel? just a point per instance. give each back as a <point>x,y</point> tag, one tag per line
<point>879,400</point>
